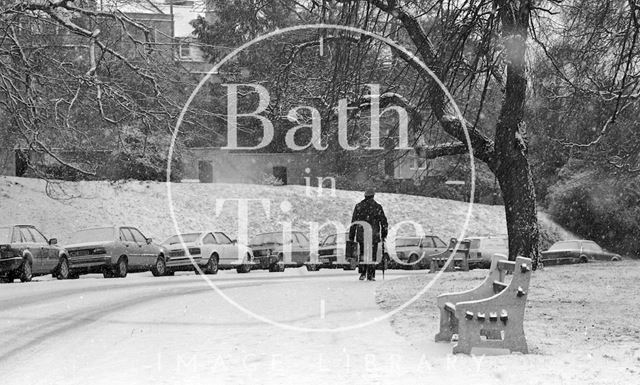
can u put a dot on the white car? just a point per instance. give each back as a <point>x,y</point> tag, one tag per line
<point>482,249</point>
<point>416,252</point>
<point>211,250</point>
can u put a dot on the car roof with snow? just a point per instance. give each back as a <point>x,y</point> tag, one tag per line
<point>279,232</point>
<point>201,232</point>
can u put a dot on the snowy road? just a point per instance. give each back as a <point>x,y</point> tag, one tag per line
<point>173,330</point>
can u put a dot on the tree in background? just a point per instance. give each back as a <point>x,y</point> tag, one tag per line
<point>76,77</point>
<point>584,109</point>
<point>584,57</point>
<point>478,49</point>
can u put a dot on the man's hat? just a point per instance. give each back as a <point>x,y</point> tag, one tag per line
<point>369,192</point>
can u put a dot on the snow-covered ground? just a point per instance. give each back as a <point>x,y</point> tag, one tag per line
<point>71,206</point>
<point>177,330</point>
<point>581,324</point>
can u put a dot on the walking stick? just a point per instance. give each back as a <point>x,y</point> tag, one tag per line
<point>384,261</point>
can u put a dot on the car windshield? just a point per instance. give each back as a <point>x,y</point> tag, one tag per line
<point>103,234</point>
<point>567,245</point>
<point>188,238</point>
<point>5,234</point>
<point>403,242</point>
<point>439,242</point>
<point>591,246</point>
<point>330,240</point>
<point>263,239</point>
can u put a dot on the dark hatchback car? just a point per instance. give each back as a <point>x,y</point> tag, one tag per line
<point>25,252</point>
<point>337,251</point>
<point>334,252</point>
<point>576,251</point>
<point>114,251</point>
<point>270,252</point>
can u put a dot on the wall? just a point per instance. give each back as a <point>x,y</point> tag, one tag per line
<point>408,165</point>
<point>253,167</point>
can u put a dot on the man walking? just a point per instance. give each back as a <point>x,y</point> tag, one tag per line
<point>370,212</point>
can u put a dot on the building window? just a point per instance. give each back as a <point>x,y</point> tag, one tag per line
<point>184,51</point>
<point>419,164</point>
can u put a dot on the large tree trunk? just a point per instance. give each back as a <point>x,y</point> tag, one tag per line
<point>506,155</point>
<point>519,197</point>
<point>511,166</point>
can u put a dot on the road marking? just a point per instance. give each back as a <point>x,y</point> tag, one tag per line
<point>321,45</point>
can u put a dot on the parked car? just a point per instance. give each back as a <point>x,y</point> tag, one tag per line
<point>269,250</point>
<point>114,251</point>
<point>332,253</point>
<point>459,259</point>
<point>482,249</point>
<point>211,250</point>
<point>416,252</point>
<point>576,251</point>
<point>25,252</point>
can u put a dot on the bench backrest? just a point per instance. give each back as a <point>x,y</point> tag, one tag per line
<point>500,267</point>
<point>465,245</point>
<point>520,269</point>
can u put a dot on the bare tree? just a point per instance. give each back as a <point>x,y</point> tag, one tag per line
<point>590,75</point>
<point>478,49</point>
<point>488,44</point>
<point>441,32</point>
<point>77,77</point>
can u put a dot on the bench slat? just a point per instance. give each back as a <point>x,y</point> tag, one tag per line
<point>499,286</point>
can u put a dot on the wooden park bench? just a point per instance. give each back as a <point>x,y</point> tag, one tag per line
<point>491,315</point>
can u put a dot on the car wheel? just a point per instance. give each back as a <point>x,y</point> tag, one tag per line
<point>243,269</point>
<point>276,268</point>
<point>616,258</point>
<point>8,279</point>
<point>121,268</point>
<point>413,265</point>
<point>212,265</point>
<point>313,267</point>
<point>107,272</point>
<point>25,271</point>
<point>63,269</point>
<point>280,266</point>
<point>583,259</point>
<point>159,268</point>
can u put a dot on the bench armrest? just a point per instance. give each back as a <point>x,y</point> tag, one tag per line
<point>484,290</point>
<point>509,298</point>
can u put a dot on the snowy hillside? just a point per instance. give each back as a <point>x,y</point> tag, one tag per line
<point>70,206</point>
